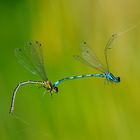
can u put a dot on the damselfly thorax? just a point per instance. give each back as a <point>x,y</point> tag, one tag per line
<point>111,78</point>
<point>49,87</point>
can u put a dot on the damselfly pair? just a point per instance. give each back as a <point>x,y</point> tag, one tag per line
<point>32,59</point>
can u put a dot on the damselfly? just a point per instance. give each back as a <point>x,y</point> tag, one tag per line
<point>31,58</point>
<point>89,58</point>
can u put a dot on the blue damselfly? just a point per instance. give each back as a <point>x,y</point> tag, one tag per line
<point>88,57</point>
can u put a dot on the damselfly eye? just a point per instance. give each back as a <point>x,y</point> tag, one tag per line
<point>118,79</point>
<point>56,89</point>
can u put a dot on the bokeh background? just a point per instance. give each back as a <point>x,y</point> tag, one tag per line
<point>84,109</point>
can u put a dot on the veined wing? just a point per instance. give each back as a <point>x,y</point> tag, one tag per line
<point>31,58</point>
<point>107,47</point>
<point>88,57</point>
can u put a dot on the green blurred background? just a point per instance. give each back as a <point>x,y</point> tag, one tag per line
<point>84,109</point>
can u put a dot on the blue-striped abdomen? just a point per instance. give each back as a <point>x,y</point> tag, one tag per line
<point>77,77</point>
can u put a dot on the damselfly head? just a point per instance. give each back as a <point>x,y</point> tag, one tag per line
<point>55,89</point>
<point>118,78</point>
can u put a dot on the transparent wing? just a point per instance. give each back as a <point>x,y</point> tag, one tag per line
<point>31,58</point>
<point>88,57</point>
<point>109,46</point>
